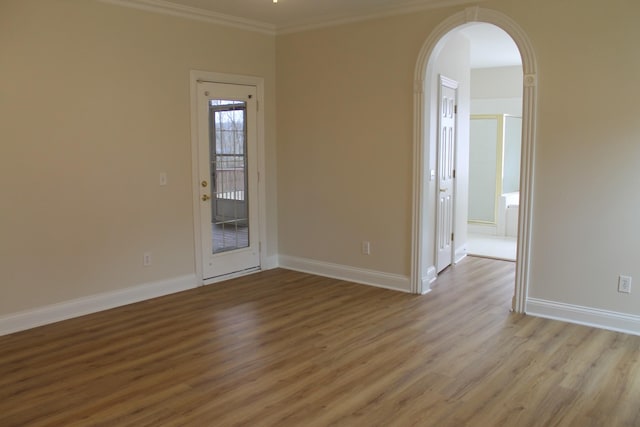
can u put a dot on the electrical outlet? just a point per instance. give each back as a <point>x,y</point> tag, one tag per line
<point>624,284</point>
<point>163,179</point>
<point>146,259</point>
<point>366,247</point>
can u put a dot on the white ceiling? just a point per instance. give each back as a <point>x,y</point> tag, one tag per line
<point>490,46</point>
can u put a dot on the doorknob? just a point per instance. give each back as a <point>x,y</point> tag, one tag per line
<point>205,197</point>
<point>442,190</point>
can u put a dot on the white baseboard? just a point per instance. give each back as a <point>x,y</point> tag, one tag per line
<point>597,318</point>
<point>79,307</point>
<point>461,252</point>
<point>379,279</point>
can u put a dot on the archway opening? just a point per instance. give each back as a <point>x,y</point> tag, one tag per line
<point>426,103</point>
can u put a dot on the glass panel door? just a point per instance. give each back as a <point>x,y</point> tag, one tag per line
<point>228,179</point>
<point>227,153</point>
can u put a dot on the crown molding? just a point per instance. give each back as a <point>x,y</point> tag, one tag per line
<point>417,6</point>
<point>173,9</point>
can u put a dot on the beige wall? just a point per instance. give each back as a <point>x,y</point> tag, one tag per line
<point>345,126</point>
<point>345,144</point>
<point>94,104</point>
<point>586,201</point>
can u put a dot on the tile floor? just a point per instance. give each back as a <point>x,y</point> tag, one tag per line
<point>497,247</point>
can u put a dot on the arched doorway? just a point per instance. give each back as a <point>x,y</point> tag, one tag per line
<point>425,100</point>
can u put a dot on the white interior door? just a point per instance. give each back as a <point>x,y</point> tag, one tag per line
<point>228,171</point>
<point>446,172</point>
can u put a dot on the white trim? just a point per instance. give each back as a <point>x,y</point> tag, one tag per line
<point>588,316</point>
<point>394,10</point>
<point>429,279</point>
<point>378,279</point>
<point>173,9</point>
<point>79,307</point>
<point>422,101</point>
<point>460,254</point>
<point>198,14</point>
<point>426,285</point>
<point>258,82</point>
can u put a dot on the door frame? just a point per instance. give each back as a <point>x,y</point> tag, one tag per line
<point>421,272</point>
<point>196,76</point>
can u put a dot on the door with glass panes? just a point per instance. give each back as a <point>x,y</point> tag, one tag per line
<point>227,155</point>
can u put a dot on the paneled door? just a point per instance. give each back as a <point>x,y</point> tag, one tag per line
<point>445,205</point>
<point>227,166</point>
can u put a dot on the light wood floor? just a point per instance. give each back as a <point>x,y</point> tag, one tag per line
<point>282,348</point>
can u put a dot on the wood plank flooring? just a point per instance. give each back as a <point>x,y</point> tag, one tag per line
<point>281,348</point>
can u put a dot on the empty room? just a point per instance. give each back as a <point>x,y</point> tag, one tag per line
<point>257,212</point>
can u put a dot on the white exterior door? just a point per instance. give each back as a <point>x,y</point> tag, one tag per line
<point>446,172</point>
<point>228,178</point>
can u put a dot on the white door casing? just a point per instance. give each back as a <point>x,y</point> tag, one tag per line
<point>445,167</point>
<point>227,169</point>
